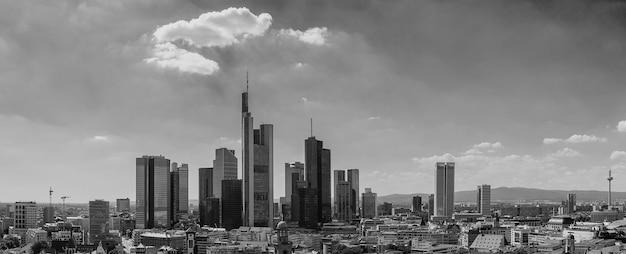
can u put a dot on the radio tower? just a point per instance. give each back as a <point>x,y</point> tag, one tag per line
<point>610,179</point>
<point>50,191</point>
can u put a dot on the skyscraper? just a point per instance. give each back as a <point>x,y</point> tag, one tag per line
<point>343,202</point>
<point>317,164</point>
<point>205,185</point>
<point>98,220</point>
<point>369,204</point>
<point>232,204</point>
<point>153,192</point>
<point>483,203</point>
<point>444,189</point>
<point>353,178</point>
<point>224,167</point>
<point>258,170</point>
<point>179,188</point>
<point>123,205</point>
<point>338,176</point>
<point>571,203</point>
<point>417,204</point>
<point>294,172</point>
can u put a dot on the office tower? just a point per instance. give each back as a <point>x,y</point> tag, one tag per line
<point>444,189</point>
<point>123,205</point>
<point>179,189</point>
<point>48,214</point>
<point>353,178</point>
<point>369,204</point>
<point>343,202</point>
<point>483,203</point>
<point>385,209</point>
<point>224,167</point>
<point>338,176</point>
<point>98,220</point>
<point>431,204</point>
<point>231,204</point>
<point>153,192</point>
<point>571,203</point>
<point>205,187</point>
<point>417,204</point>
<point>212,213</point>
<point>308,211</point>
<point>25,215</point>
<point>258,170</point>
<point>317,164</point>
<point>294,172</point>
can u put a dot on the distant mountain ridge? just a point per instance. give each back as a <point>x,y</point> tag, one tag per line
<point>515,194</point>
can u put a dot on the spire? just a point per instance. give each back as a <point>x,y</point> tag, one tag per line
<point>311,127</point>
<point>246,81</point>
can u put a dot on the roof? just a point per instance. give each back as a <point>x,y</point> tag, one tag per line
<point>488,242</point>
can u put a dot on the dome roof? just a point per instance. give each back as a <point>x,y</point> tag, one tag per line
<point>281,225</point>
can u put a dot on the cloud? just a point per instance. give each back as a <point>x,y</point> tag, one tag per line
<point>549,141</point>
<point>576,138</point>
<point>488,145</point>
<point>373,118</point>
<point>100,138</point>
<point>221,28</point>
<point>167,55</point>
<point>621,126</point>
<point>615,155</point>
<point>315,35</point>
<point>565,152</point>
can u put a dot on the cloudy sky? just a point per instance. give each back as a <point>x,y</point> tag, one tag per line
<point>518,94</point>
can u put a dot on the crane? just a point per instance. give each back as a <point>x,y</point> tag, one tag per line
<point>64,197</point>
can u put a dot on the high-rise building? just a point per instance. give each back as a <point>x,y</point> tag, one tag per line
<point>444,189</point>
<point>338,176</point>
<point>571,203</point>
<point>179,189</point>
<point>224,167</point>
<point>258,170</point>
<point>308,211</point>
<point>317,165</point>
<point>294,172</point>
<point>483,203</point>
<point>205,186</point>
<point>369,204</point>
<point>417,204</point>
<point>153,192</point>
<point>343,202</point>
<point>25,216</point>
<point>48,214</point>
<point>232,204</point>
<point>123,205</point>
<point>353,178</point>
<point>431,204</point>
<point>212,213</point>
<point>98,220</point>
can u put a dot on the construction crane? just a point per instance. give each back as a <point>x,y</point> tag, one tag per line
<point>64,197</point>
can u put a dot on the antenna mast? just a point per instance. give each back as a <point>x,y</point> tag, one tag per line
<point>311,127</point>
<point>246,81</point>
<point>50,191</point>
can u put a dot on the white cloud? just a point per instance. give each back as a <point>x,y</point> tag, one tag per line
<point>576,138</point>
<point>167,55</point>
<point>473,151</point>
<point>304,100</point>
<point>484,147</point>
<point>221,28</point>
<point>373,118</point>
<point>615,155</point>
<point>488,145</point>
<point>565,152</point>
<point>621,126</point>
<point>549,141</point>
<point>100,138</point>
<point>315,35</point>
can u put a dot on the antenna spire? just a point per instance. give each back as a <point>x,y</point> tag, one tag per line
<point>246,81</point>
<point>311,127</point>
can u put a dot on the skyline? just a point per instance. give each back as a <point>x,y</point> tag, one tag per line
<point>507,91</point>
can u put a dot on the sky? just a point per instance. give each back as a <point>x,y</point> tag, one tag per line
<point>517,93</point>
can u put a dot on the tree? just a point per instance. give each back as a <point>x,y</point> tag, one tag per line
<point>38,247</point>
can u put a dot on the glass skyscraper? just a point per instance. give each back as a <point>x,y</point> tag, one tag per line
<point>444,189</point>
<point>153,192</point>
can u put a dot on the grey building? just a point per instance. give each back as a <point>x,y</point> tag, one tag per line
<point>444,189</point>
<point>153,192</point>
<point>369,204</point>
<point>483,203</point>
<point>317,163</point>
<point>224,167</point>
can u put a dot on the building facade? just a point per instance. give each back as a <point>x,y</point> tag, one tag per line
<point>232,204</point>
<point>444,189</point>
<point>417,204</point>
<point>353,178</point>
<point>179,188</point>
<point>24,217</point>
<point>98,220</point>
<point>317,163</point>
<point>205,187</point>
<point>294,172</point>
<point>224,167</point>
<point>153,192</point>
<point>123,205</point>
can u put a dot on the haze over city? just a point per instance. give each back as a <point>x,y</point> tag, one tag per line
<point>523,93</point>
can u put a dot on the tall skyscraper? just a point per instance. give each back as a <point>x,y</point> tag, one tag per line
<point>353,178</point>
<point>417,204</point>
<point>369,204</point>
<point>98,220</point>
<point>431,204</point>
<point>338,176</point>
<point>212,213</point>
<point>231,204</point>
<point>343,202</point>
<point>571,203</point>
<point>483,203</point>
<point>294,172</point>
<point>205,176</point>
<point>258,170</point>
<point>153,192</point>
<point>179,189</point>
<point>444,189</point>
<point>123,205</point>
<point>224,167</point>
<point>317,165</point>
